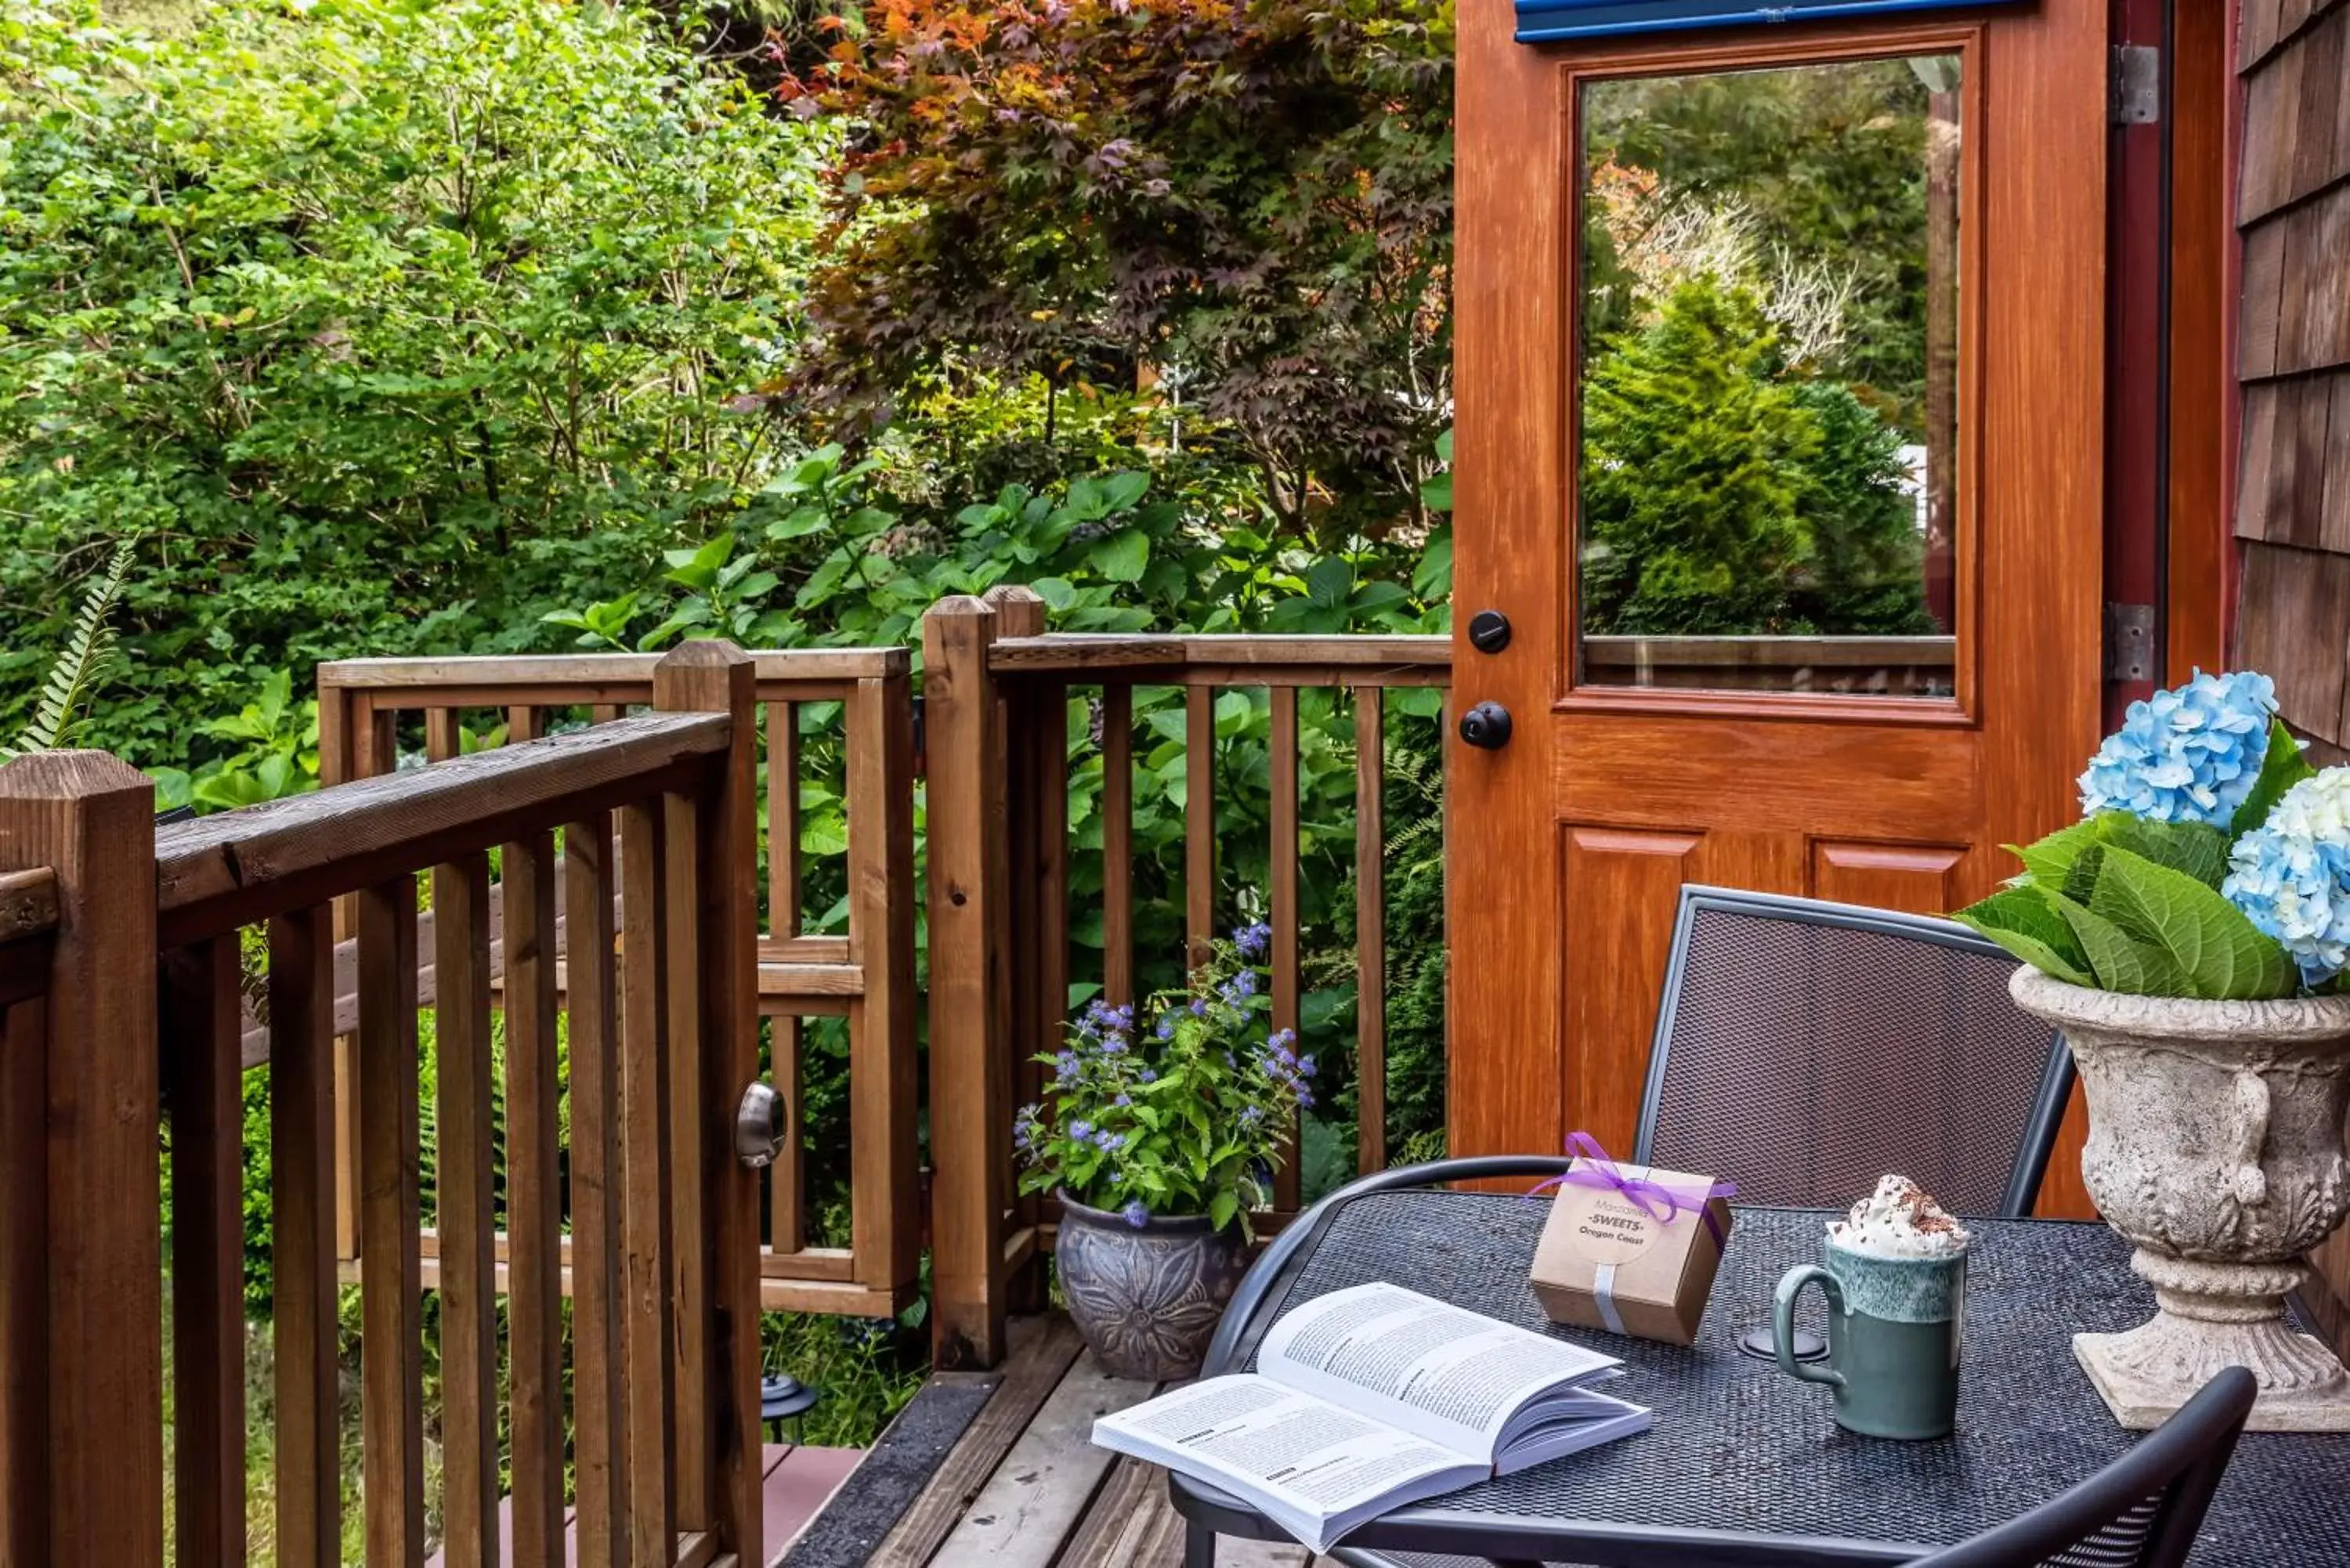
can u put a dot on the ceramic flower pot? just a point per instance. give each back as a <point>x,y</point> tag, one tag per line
<point>2215,1144</point>
<point>1147,1298</point>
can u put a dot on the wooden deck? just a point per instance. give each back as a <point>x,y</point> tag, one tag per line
<point>1021,1487</point>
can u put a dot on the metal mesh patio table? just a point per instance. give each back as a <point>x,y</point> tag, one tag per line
<point>1747,1466</point>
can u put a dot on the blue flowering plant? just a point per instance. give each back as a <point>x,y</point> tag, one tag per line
<point>2212,860</point>
<point>1181,1112</point>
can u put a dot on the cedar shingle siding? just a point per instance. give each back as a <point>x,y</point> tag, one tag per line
<point>2292,507</point>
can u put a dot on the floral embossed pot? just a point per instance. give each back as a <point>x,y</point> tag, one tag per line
<point>1159,1141</point>
<point>1147,1298</point>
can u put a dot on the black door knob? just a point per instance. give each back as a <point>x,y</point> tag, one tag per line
<point>1486,725</point>
<point>1489,631</point>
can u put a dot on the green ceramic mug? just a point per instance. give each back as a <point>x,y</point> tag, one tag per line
<point>1894,1331</point>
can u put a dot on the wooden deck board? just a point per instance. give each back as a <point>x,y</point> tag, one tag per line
<point>1024,1488</point>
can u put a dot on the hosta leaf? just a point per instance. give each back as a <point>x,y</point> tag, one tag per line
<point>2197,848</point>
<point>2122,962</point>
<point>2282,765</point>
<point>2027,924</point>
<point>2203,936</point>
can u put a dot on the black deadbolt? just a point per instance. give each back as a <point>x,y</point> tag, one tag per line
<point>1486,725</point>
<point>1489,631</point>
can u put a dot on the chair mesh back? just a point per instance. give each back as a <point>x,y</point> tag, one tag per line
<point>1808,1057</point>
<point>2124,1544</point>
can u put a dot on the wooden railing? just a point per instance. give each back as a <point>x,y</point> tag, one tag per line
<point>996,692</point>
<point>1887,666</point>
<point>865,975</point>
<point>651,815</point>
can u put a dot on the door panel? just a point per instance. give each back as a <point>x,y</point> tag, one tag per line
<point>1790,754</point>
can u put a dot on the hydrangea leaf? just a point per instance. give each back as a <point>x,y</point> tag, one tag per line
<point>2283,767</point>
<point>2048,859</point>
<point>2122,962</point>
<point>2024,923</point>
<point>2209,941</point>
<point>2197,848</point>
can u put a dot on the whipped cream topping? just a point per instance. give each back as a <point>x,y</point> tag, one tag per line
<point>1899,1219</point>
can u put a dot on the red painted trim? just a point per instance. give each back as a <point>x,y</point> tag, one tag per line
<point>2134,331</point>
<point>2231,559</point>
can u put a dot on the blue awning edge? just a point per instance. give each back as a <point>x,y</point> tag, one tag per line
<point>1548,21</point>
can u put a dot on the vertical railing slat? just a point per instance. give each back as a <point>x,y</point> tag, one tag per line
<point>692,1424</point>
<point>443,738</point>
<point>644,1174</point>
<point>374,741</point>
<point>786,1200</point>
<point>391,1346</point>
<point>1284,914</point>
<point>302,1051</point>
<point>1118,843</point>
<point>203,1036</point>
<point>600,1481</point>
<point>1199,821</point>
<point>24,1282</point>
<point>715,676</point>
<point>464,1213</point>
<point>1370,929</point>
<point>970,1087</point>
<point>534,1203</point>
<point>884,1191</point>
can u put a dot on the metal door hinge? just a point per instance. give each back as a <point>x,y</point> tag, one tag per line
<point>2134,92</point>
<point>2129,643</point>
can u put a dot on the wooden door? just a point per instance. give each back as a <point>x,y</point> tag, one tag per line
<point>1802,749</point>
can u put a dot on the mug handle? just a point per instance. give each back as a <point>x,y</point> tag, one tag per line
<point>1783,1320</point>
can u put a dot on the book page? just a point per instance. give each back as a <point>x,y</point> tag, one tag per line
<point>1436,1370</point>
<point>1315,1469</point>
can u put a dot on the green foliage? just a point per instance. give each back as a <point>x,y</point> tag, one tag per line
<point>87,655</point>
<point>2126,904</point>
<point>1249,198</point>
<point>386,325</point>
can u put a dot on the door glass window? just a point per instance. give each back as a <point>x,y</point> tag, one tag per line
<point>1768,388</point>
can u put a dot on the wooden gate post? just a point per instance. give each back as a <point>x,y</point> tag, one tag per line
<point>81,1416</point>
<point>718,677</point>
<point>970,1080</point>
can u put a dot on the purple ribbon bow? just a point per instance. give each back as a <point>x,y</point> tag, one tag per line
<point>1594,1167</point>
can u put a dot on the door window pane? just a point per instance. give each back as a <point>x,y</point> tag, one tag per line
<point>1768,386</point>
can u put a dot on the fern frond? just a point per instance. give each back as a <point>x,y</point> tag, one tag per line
<point>89,652</point>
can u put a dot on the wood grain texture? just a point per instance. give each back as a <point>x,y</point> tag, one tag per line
<point>1226,659</point>
<point>534,1203</point>
<point>1118,845</point>
<point>302,1258</point>
<point>1918,877</point>
<point>645,1242</point>
<point>28,903</point>
<point>692,1418</point>
<point>463,1194</point>
<point>1039,1491</point>
<point>969,1099</point>
<point>1282,744</point>
<point>1637,789</point>
<point>716,678</point>
<point>218,872</point>
<point>1030,1375</point>
<point>885,1198</point>
<point>1198,823</point>
<point>628,676</point>
<point>201,1016</point>
<point>91,817</point>
<point>24,1280</point>
<point>1370,930</point>
<point>391,1344</point>
<point>599,1453</point>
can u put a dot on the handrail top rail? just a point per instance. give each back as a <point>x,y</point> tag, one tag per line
<point>477,672</point>
<point>28,903</point>
<point>217,873</point>
<point>1239,652</point>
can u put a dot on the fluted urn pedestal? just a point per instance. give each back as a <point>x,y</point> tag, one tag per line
<point>2216,1145</point>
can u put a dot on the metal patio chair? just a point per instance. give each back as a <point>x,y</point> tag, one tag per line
<point>1805,1048</point>
<point>2140,1511</point>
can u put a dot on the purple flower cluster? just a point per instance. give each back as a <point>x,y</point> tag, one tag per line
<point>1286,1067</point>
<point>1253,942</point>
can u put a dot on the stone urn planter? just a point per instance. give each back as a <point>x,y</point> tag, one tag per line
<point>2216,1145</point>
<point>1147,1298</point>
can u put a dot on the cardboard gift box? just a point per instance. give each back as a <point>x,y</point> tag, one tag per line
<point>1632,1250</point>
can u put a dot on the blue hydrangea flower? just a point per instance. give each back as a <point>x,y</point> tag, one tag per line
<point>1135,1213</point>
<point>2291,875</point>
<point>2188,754</point>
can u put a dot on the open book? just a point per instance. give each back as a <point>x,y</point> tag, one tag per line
<point>1372,1398</point>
